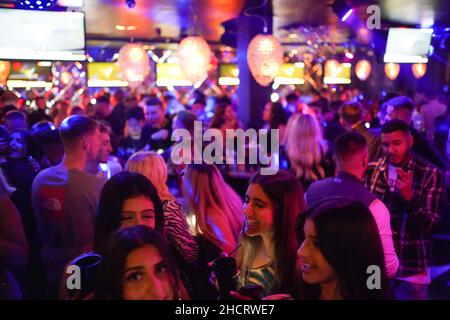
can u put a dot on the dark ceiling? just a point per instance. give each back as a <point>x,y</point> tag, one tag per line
<point>204,17</point>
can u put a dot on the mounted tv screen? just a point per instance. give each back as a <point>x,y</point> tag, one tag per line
<point>228,74</point>
<point>104,74</point>
<point>406,45</point>
<point>170,74</point>
<point>26,74</point>
<point>288,73</point>
<point>291,73</point>
<point>42,35</point>
<point>341,74</point>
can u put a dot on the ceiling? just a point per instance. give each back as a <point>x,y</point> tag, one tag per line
<point>204,17</point>
<point>198,16</point>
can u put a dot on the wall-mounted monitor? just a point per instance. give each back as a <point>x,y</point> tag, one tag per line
<point>289,73</point>
<point>170,74</point>
<point>42,35</point>
<point>228,74</point>
<point>104,75</point>
<point>338,73</point>
<point>408,45</point>
<point>25,74</point>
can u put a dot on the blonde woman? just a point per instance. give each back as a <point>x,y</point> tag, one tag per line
<point>152,166</point>
<point>306,149</point>
<point>215,207</point>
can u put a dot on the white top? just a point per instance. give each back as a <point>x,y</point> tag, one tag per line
<point>383,220</point>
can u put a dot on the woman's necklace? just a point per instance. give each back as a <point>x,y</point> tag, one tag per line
<point>269,257</point>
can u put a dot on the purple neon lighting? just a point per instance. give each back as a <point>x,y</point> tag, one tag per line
<point>345,17</point>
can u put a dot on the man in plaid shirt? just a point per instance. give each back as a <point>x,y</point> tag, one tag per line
<point>411,188</point>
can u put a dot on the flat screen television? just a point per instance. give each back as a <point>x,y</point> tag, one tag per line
<point>408,45</point>
<point>288,73</point>
<point>42,35</point>
<point>170,74</point>
<point>228,74</point>
<point>104,75</point>
<point>291,73</point>
<point>341,74</point>
<point>26,74</point>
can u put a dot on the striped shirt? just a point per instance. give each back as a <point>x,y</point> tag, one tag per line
<point>177,231</point>
<point>262,276</point>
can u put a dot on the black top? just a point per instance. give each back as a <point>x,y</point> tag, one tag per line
<point>117,119</point>
<point>128,146</point>
<point>148,131</point>
<point>38,115</point>
<point>199,287</point>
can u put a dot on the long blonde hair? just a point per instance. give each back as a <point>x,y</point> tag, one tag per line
<point>207,193</point>
<point>151,165</point>
<point>305,146</point>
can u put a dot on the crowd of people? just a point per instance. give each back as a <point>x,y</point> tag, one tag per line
<point>361,186</point>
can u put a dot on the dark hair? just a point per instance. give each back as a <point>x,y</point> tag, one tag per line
<point>8,108</point>
<point>200,100</point>
<point>119,188</point>
<point>349,240</point>
<point>187,119</point>
<point>291,97</point>
<point>351,112</point>
<point>218,118</point>
<point>75,127</point>
<point>102,99</point>
<point>51,137</point>
<point>287,196</point>
<point>119,95</point>
<point>349,143</point>
<point>4,133</point>
<point>401,102</point>
<point>136,113</point>
<point>41,127</point>
<point>76,110</point>
<point>154,102</point>
<point>15,115</point>
<point>104,126</point>
<point>395,125</point>
<point>278,115</point>
<point>121,244</point>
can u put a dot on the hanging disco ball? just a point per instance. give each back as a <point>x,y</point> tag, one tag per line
<point>264,57</point>
<point>37,4</point>
<point>133,63</point>
<point>195,57</point>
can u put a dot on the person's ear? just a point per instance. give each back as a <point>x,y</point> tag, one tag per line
<point>85,144</point>
<point>365,159</point>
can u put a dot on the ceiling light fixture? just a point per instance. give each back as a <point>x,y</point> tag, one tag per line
<point>342,9</point>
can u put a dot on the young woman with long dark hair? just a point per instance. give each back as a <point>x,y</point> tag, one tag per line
<point>138,265</point>
<point>339,242</point>
<point>268,245</point>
